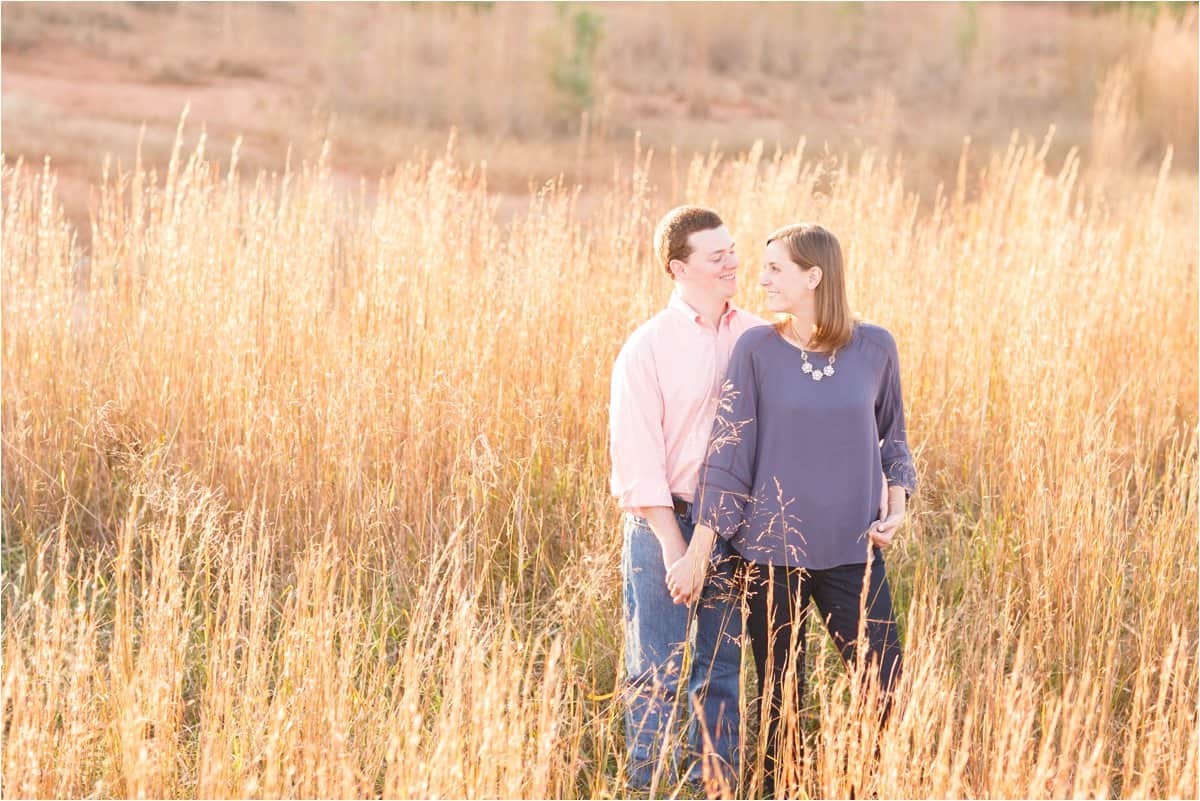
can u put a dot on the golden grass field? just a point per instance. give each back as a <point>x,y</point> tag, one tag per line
<point>305,490</point>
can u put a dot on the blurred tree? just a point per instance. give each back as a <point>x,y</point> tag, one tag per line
<point>573,65</point>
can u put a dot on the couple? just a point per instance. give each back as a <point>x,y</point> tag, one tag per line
<point>749,456</point>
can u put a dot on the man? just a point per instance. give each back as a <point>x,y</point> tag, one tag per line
<point>665,387</point>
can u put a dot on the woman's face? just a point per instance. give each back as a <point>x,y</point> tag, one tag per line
<point>787,284</point>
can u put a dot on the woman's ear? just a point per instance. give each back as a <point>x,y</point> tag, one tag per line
<point>814,277</point>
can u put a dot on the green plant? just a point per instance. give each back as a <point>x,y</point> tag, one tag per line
<point>573,70</point>
<point>966,33</point>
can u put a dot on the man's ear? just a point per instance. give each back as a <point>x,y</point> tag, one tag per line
<point>678,267</point>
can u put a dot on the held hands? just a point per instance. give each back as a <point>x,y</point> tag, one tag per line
<point>685,576</point>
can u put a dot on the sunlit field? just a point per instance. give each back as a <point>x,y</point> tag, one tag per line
<point>305,492</point>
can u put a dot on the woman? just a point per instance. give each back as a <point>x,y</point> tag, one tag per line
<point>810,413</point>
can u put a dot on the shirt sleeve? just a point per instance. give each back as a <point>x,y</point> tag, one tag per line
<point>727,474</point>
<point>637,444</point>
<point>889,418</point>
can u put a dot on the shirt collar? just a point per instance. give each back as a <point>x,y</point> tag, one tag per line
<point>680,305</point>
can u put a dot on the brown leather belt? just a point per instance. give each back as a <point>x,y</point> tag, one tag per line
<point>682,508</point>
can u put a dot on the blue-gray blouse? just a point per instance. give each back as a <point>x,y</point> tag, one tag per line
<point>792,473</point>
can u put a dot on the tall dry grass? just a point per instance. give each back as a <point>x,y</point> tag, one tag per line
<point>305,494</point>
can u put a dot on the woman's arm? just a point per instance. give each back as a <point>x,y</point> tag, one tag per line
<point>894,452</point>
<point>727,475</point>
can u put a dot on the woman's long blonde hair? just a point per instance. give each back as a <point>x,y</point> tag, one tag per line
<point>809,245</point>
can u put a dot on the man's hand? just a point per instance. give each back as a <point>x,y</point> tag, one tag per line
<point>685,578</point>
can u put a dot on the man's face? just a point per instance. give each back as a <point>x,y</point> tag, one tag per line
<point>711,270</point>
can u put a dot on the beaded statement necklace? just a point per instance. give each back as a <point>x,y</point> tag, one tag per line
<point>817,373</point>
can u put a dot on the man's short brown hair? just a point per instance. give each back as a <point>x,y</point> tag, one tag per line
<point>672,232</point>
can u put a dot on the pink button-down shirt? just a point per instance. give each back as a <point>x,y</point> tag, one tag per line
<point>665,386</point>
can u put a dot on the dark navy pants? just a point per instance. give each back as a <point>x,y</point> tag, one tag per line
<point>779,600</point>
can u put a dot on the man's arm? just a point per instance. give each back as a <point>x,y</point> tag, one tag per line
<point>639,453</point>
<point>666,528</point>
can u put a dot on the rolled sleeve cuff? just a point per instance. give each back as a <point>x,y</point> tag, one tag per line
<point>643,494</point>
<point>721,504</point>
<point>901,474</point>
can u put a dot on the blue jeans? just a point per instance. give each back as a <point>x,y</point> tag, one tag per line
<point>656,633</point>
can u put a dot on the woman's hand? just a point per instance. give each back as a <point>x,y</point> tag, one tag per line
<point>884,531</point>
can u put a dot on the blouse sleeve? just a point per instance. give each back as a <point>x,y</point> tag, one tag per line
<point>727,475</point>
<point>889,418</point>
